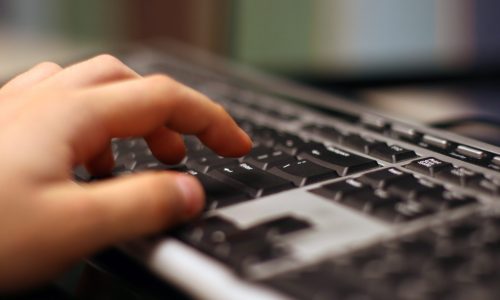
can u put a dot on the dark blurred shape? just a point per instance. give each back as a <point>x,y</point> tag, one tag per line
<point>205,24</point>
<point>487,31</point>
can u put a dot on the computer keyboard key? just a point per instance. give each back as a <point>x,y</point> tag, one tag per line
<point>218,194</point>
<point>485,186</point>
<point>369,202</point>
<point>240,257</point>
<point>433,199</point>
<point>436,141</point>
<point>245,124</point>
<point>244,248</point>
<point>360,200</point>
<point>459,176</point>
<point>309,283</point>
<point>380,179</point>
<point>279,115</point>
<point>496,160</point>
<point>264,157</point>
<point>343,162</point>
<point>406,133</point>
<point>144,159</point>
<point>264,135</point>
<point>410,210</point>
<point>419,246</point>
<point>281,226</point>
<point>288,142</point>
<point>410,188</point>
<point>303,172</point>
<point>377,202</point>
<point>310,127</point>
<point>338,190</point>
<point>324,131</point>
<point>206,232</point>
<point>80,173</point>
<point>393,153</point>
<point>470,152</point>
<point>193,144</point>
<point>126,160</point>
<point>429,166</point>
<point>461,230</point>
<point>330,133</point>
<point>374,123</point>
<point>251,180</point>
<point>259,150</point>
<point>159,166</point>
<point>132,144</point>
<point>207,160</point>
<point>359,143</point>
<point>394,210</point>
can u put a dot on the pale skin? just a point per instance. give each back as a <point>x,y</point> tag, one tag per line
<point>52,119</point>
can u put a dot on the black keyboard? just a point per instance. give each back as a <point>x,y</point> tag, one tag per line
<point>282,161</point>
<point>424,196</point>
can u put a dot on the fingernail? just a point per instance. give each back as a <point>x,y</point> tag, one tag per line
<point>193,194</point>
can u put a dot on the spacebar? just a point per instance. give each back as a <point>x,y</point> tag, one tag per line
<point>343,162</point>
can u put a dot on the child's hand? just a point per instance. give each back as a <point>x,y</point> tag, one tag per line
<point>52,119</point>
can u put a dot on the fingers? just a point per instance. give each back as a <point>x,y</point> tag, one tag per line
<point>140,106</point>
<point>131,206</point>
<point>166,145</point>
<point>33,76</point>
<point>97,70</point>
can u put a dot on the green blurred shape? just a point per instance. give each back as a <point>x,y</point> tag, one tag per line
<point>95,20</point>
<point>273,34</point>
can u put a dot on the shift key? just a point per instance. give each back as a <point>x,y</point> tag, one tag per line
<point>251,180</point>
<point>343,162</point>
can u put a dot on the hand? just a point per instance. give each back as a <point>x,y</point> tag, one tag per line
<point>52,119</point>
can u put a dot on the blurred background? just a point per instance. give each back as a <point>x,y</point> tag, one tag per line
<point>396,55</point>
<point>343,40</point>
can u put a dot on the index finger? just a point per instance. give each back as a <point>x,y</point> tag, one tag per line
<point>139,106</point>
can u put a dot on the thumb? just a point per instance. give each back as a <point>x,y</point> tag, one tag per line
<point>77,220</point>
<point>131,206</point>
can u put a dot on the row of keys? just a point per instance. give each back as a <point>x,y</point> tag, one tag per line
<point>377,149</point>
<point>287,156</point>
<point>455,150</point>
<point>244,181</point>
<point>460,176</point>
<point>408,134</point>
<point>240,248</point>
<point>270,112</point>
<point>455,261</point>
<point>277,162</point>
<point>264,171</point>
<point>392,195</point>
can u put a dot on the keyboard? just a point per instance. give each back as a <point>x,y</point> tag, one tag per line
<point>335,203</point>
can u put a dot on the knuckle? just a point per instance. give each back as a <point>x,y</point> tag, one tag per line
<point>107,58</point>
<point>111,64</point>
<point>160,85</point>
<point>49,65</point>
<point>161,80</point>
